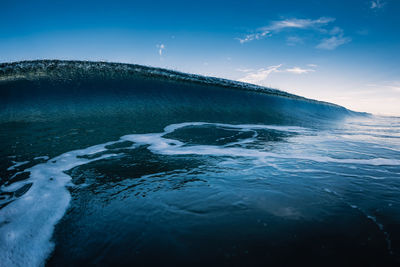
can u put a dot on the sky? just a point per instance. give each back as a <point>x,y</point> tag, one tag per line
<point>345,52</point>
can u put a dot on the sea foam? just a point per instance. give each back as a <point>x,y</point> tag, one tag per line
<point>28,222</point>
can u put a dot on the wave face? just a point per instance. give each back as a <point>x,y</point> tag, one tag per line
<point>105,163</point>
<point>43,90</point>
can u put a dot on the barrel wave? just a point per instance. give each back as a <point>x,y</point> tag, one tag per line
<point>109,163</point>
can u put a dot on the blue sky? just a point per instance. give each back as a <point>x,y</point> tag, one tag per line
<point>346,52</point>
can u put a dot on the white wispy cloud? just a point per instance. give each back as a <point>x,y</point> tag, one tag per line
<point>253,36</point>
<point>298,23</point>
<point>260,75</point>
<point>329,37</point>
<point>276,26</point>
<point>297,70</point>
<point>161,48</point>
<point>337,39</point>
<point>377,4</point>
<point>333,42</point>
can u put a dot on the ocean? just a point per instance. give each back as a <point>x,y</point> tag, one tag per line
<point>119,164</point>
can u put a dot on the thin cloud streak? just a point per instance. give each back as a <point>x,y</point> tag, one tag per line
<point>377,4</point>
<point>297,70</point>
<point>298,23</point>
<point>258,76</point>
<point>277,26</point>
<point>335,35</point>
<point>333,42</point>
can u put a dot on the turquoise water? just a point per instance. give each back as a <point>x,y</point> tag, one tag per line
<point>139,170</point>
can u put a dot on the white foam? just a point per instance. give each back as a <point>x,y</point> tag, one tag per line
<point>28,222</point>
<point>17,164</point>
<point>158,144</point>
<point>41,158</point>
<point>297,129</point>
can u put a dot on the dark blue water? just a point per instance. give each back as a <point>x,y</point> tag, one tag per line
<point>128,169</point>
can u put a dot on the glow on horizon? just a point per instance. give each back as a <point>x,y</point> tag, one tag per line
<point>379,99</point>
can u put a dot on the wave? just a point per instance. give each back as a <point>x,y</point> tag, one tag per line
<point>64,70</point>
<point>55,89</point>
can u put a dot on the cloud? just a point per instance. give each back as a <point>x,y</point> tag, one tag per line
<point>259,75</point>
<point>337,39</point>
<point>298,23</point>
<point>377,4</point>
<point>254,36</point>
<point>161,48</point>
<point>297,70</point>
<point>277,26</point>
<point>333,42</point>
<point>334,37</point>
<point>336,31</point>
